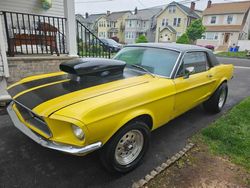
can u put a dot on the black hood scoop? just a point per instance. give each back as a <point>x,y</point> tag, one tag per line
<point>92,67</point>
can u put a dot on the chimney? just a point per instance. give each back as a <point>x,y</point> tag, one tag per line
<point>209,3</point>
<point>136,10</point>
<point>108,12</point>
<point>86,15</point>
<point>192,6</point>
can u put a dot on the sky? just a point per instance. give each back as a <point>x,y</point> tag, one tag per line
<point>101,6</point>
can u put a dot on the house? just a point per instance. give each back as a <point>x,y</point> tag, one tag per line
<point>225,23</point>
<point>112,25</point>
<point>173,21</point>
<point>142,22</point>
<point>90,21</point>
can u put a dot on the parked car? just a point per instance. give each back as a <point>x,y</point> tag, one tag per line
<point>211,47</point>
<point>112,44</point>
<point>114,104</point>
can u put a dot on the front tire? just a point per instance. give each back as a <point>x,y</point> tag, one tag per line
<point>218,99</point>
<point>127,147</point>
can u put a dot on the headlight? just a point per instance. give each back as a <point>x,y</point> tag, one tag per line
<point>78,132</point>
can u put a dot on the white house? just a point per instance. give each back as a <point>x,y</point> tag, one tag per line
<point>24,20</point>
<point>226,24</point>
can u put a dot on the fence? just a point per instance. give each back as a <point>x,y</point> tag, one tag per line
<point>89,45</point>
<point>34,34</point>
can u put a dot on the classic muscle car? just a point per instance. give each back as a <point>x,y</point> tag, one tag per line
<point>114,104</point>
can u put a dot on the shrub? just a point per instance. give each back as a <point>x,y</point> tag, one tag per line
<point>141,39</point>
<point>183,39</point>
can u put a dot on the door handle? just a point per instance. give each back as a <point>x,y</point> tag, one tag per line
<point>209,75</point>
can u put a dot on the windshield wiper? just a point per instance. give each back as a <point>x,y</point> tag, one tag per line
<point>144,69</point>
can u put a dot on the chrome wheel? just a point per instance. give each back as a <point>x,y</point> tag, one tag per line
<point>222,98</point>
<point>129,147</point>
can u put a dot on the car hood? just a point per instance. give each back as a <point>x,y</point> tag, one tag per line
<point>49,93</point>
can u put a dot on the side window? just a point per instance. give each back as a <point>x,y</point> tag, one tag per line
<point>197,60</point>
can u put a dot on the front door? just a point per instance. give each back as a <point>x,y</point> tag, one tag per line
<point>193,89</point>
<point>226,38</point>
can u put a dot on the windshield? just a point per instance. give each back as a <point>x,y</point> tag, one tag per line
<point>157,61</point>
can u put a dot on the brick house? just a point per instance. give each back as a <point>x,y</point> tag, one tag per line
<point>225,23</point>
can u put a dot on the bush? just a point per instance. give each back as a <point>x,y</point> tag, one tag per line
<point>183,39</point>
<point>141,39</point>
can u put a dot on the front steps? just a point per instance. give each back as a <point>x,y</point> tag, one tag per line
<point>222,48</point>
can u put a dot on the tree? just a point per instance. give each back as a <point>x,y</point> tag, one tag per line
<point>141,39</point>
<point>195,30</point>
<point>183,39</point>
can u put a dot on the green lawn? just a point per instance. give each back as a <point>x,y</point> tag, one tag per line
<point>233,54</point>
<point>230,135</point>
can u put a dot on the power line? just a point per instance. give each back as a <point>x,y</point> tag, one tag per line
<point>94,1</point>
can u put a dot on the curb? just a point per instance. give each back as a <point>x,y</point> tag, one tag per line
<point>162,167</point>
<point>247,58</point>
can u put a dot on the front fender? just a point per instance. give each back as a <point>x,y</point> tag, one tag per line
<point>103,130</point>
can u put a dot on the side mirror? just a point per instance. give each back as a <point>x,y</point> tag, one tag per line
<point>188,71</point>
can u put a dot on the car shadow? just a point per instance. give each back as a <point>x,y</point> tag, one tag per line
<point>27,163</point>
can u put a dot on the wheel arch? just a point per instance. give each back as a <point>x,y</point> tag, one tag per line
<point>141,115</point>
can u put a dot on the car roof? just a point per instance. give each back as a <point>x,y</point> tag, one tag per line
<point>172,46</point>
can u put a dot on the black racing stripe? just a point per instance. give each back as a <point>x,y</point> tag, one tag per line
<point>38,96</point>
<point>34,83</point>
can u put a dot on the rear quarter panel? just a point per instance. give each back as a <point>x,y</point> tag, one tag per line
<point>221,73</point>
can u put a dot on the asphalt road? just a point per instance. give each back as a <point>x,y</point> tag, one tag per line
<point>26,164</point>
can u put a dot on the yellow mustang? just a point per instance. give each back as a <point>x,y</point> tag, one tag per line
<point>114,104</point>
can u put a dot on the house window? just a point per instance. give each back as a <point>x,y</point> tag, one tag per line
<point>179,22</point>
<point>229,19</point>
<point>170,9</point>
<point>166,23</point>
<point>213,20</point>
<point>163,22</point>
<point>174,9</point>
<point>175,22</point>
<point>130,35</point>
<point>144,23</point>
<point>216,36</point>
<point>211,36</point>
<point>130,23</point>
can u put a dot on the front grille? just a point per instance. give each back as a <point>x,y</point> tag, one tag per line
<point>33,119</point>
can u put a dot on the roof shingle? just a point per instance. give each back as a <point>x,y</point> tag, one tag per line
<point>225,8</point>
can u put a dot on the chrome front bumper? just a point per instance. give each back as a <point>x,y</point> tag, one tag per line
<point>47,143</point>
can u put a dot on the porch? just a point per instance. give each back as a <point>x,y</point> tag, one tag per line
<point>33,43</point>
<point>33,36</point>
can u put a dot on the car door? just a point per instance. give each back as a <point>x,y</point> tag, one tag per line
<point>192,87</point>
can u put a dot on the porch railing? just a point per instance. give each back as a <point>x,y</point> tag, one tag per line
<point>34,34</point>
<point>89,45</point>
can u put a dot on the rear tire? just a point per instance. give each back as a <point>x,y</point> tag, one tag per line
<point>216,102</point>
<point>127,147</point>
